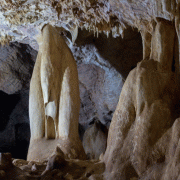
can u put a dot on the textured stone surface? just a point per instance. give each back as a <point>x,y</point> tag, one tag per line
<point>54,100</point>
<point>22,20</point>
<point>16,65</point>
<point>72,169</point>
<point>100,83</point>
<point>103,65</point>
<point>143,142</point>
<point>15,135</point>
<point>146,110</point>
<point>95,140</point>
<point>17,61</point>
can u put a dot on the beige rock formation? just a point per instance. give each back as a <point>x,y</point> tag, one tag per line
<point>146,41</point>
<point>96,16</point>
<point>145,110</point>
<point>54,100</point>
<point>95,140</point>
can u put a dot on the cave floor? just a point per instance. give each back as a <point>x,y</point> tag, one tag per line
<point>72,169</point>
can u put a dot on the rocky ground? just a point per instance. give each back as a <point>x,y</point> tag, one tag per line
<point>56,168</point>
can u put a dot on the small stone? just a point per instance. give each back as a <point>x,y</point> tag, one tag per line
<point>25,168</point>
<point>19,162</point>
<point>34,167</point>
<point>56,161</point>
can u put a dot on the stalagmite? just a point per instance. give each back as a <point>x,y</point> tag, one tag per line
<point>145,112</point>
<point>54,100</point>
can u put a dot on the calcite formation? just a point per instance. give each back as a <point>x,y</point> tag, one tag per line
<point>21,19</point>
<point>146,111</point>
<point>54,100</point>
<point>143,140</point>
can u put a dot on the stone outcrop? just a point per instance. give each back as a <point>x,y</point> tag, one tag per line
<point>95,140</point>
<point>54,100</point>
<point>147,108</point>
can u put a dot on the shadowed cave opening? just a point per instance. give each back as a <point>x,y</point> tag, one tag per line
<point>99,86</point>
<point>7,104</point>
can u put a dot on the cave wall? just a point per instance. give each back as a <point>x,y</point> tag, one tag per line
<point>103,65</point>
<point>16,65</point>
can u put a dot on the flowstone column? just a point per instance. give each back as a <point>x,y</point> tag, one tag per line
<point>145,109</point>
<point>54,100</point>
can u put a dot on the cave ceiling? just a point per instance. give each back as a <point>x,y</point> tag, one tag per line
<point>21,20</point>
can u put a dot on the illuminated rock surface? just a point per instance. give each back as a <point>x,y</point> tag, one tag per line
<point>143,140</point>
<point>54,100</point>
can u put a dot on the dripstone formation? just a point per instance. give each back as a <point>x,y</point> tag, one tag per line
<point>140,140</point>
<point>54,100</point>
<point>139,137</point>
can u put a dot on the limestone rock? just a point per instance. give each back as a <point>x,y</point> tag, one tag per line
<point>95,140</point>
<point>54,99</point>
<point>16,67</point>
<point>56,161</point>
<point>96,16</point>
<point>145,112</point>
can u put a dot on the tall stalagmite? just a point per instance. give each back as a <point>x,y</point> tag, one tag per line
<point>145,110</point>
<point>54,99</point>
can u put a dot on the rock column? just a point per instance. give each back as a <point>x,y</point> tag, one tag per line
<point>145,109</point>
<point>54,100</point>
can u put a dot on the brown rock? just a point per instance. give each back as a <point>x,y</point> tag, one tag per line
<point>56,161</point>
